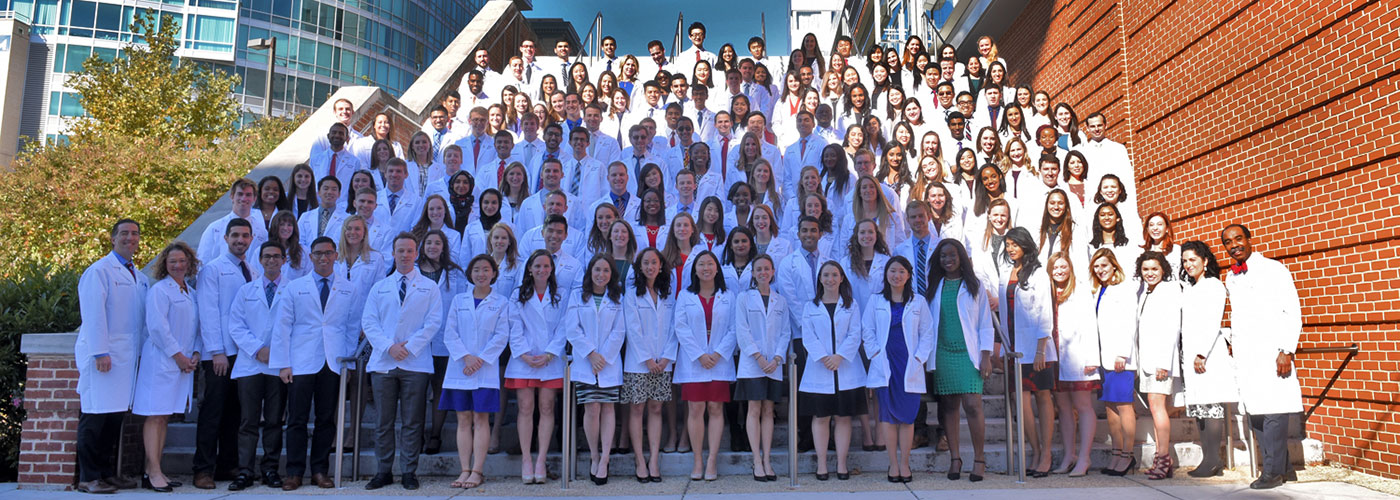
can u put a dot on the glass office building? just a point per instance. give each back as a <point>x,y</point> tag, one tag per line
<point>321,45</point>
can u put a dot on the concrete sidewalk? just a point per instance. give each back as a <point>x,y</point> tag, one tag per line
<point>865,486</point>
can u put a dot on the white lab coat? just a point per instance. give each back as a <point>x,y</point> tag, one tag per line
<point>1033,314</point>
<point>1116,316</point>
<point>794,159</point>
<point>1079,336</point>
<point>172,326</point>
<point>309,223</point>
<point>1202,308</point>
<point>763,330</point>
<point>865,289</point>
<point>650,333</point>
<point>1159,329</point>
<point>920,339</point>
<point>404,214</point>
<point>250,325</point>
<point>1265,319</point>
<point>794,281</point>
<point>112,302</point>
<point>482,330</point>
<point>534,329</point>
<point>975,317</point>
<point>414,320</point>
<point>219,281</point>
<point>695,340</point>
<point>305,337</point>
<point>211,241</point>
<point>821,340</point>
<point>595,328</point>
<point>450,283</point>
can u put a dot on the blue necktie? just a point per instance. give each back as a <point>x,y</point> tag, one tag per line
<point>325,292</point>
<point>403,288</point>
<point>393,202</point>
<point>919,263</point>
<point>812,263</point>
<point>270,291</point>
<point>247,276</point>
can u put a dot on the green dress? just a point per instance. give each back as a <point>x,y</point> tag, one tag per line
<point>955,373</point>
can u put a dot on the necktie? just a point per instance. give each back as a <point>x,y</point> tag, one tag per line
<point>528,72</point>
<point>577,178</point>
<point>748,88</point>
<point>1240,268</point>
<point>609,68</point>
<point>697,56</point>
<point>637,169</point>
<point>992,111</point>
<point>403,288</point>
<point>673,139</point>
<point>724,158</point>
<point>812,263</point>
<point>700,122</point>
<point>564,68</point>
<point>803,151</point>
<point>437,141</point>
<point>920,260</point>
<point>247,276</point>
<point>270,291</point>
<point>476,148</point>
<point>592,144</point>
<point>393,203</point>
<point>501,174</point>
<point>422,177</point>
<point>131,269</point>
<point>333,157</point>
<point>325,219</point>
<point>325,292</point>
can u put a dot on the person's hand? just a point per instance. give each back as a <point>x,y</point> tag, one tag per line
<point>220,365</point>
<point>1089,370</point>
<point>471,363</point>
<point>1039,360</point>
<point>1200,364</point>
<point>597,361</point>
<point>1285,364</point>
<point>194,361</point>
<point>286,375</point>
<point>833,361</point>
<point>997,360</point>
<point>986,365</point>
<point>104,364</point>
<point>992,301</point>
<point>707,361</point>
<point>262,354</point>
<point>1162,374</point>
<point>533,360</point>
<point>662,364</point>
<point>182,362</point>
<point>1120,364</point>
<point>398,352</point>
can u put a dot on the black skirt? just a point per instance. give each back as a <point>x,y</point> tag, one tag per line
<point>759,389</point>
<point>847,403</point>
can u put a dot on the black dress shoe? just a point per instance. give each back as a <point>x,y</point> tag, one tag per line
<point>1206,472</point>
<point>146,483</point>
<point>655,479</point>
<point>843,476</point>
<point>240,483</point>
<point>123,482</point>
<point>1266,482</point>
<point>380,481</point>
<point>907,479</point>
<point>770,478</point>
<point>823,477</point>
<point>409,481</point>
<point>271,479</point>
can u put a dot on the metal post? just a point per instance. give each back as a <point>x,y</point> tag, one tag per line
<point>566,467</point>
<point>271,68</point>
<point>359,404</point>
<point>340,422</point>
<point>763,30</point>
<point>1249,444</point>
<point>1015,357</point>
<point>792,418</point>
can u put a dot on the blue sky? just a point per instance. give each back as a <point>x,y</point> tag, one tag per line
<point>634,23</point>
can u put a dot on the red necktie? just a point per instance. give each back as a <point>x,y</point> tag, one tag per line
<point>803,151</point>
<point>697,56</point>
<point>724,158</point>
<point>476,148</point>
<point>333,156</point>
<point>1240,268</point>
<point>673,139</point>
<point>501,174</point>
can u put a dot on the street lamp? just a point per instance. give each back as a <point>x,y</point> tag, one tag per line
<point>270,45</point>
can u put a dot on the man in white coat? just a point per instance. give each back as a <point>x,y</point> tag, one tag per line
<point>1105,157</point>
<point>312,330</point>
<point>585,177</point>
<point>1266,321</point>
<point>112,301</point>
<point>797,282</point>
<point>242,194</point>
<point>327,218</point>
<point>405,206</point>
<point>401,315</point>
<point>336,159</point>
<point>805,152</point>
<point>261,393</point>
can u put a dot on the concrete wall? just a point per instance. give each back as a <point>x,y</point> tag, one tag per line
<point>14,64</point>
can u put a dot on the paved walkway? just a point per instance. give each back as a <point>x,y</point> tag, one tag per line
<point>866,486</point>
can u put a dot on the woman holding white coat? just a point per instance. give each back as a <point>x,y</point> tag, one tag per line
<point>165,378</point>
<point>833,383</point>
<point>1209,379</point>
<point>1077,347</point>
<point>536,366</point>
<point>705,369</point>
<point>1027,315</point>
<point>897,332</point>
<point>595,328</point>
<point>1115,302</point>
<point>1158,343</point>
<point>762,331</point>
<point>476,333</point>
<point>651,353</point>
<point>965,340</point>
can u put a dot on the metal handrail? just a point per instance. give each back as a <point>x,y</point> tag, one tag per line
<point>595,33</point>
<point>792,416</point>
<point>567,457</point>
<point>1013,402</point>
<point>348,364</point>
<point>933,28</point>
<point>676,41</point>
<point>1351,352</point>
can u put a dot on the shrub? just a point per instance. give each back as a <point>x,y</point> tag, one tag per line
<point>34,298</point>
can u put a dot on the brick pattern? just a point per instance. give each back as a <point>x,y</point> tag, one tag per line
<point>49,438</point>
<point>1279,115</point>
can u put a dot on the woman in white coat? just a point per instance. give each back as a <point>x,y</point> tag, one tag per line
<point>1209,380</point>
<point>536,368</point>
<point>476,333</point>
<point>833,383</point>
<point>762,331</point>
<point>1158,343</point>
<point>766,239</point>
<point>965,337</point>
<point>897,332</point>
<point>1027,315</point>
<point>1115,306</point>
<point>1077,347</point>
<point>865,259</point>
<point>169,356</point>
<point>651,351</point>
<point>704,312</point>
<point>436,262</point>
<point>595,327</point>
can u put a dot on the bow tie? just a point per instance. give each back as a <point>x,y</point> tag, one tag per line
<point>1240,268</point>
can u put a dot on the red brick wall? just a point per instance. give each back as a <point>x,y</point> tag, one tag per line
<point>49,439</point>
<point>1280,115</point>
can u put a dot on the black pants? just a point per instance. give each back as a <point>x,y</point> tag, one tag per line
<point>216,434</point>
<point>322,388</point>
<point>1271,434</point>
<point>98,435</point>
<point>804,422</point>
<point>262,399</point>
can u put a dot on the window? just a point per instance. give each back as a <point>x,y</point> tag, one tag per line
<point>46,12</point>
<point>214,33</point>
<point>76,55</point>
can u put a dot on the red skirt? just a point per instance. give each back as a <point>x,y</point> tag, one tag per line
<point>529,383</point>
<point>709,392</point>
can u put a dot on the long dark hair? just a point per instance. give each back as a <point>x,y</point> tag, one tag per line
<point>613,289</point>
<point>444,261</point>
<point>729,252</point>
<point>908,292</point>
<point>282,203</point>
<point>656,219</point>
<point>844,290</point>
<point>1030,260</point>
<point>1120,236</point>
<point>718,226</point>
<point>837,175</point>
<point>1202,250</point>
<point>527,282</point>
<point>310,193</point>
<point>936,273</point>
<point>662,284</point>
<point>695,276</point>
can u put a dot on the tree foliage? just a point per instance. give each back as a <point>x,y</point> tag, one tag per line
<point>150,93</point>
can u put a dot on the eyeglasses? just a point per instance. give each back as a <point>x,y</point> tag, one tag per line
<point>322,253</point>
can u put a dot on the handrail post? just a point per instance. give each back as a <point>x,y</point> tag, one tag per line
<point>345,363</point>
<point>358,400</point>
<point>566,457</point>
<point>792,418</point>
<point>1015,357</point>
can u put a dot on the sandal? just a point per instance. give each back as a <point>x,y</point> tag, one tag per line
<point>1161,467</point>
<point>469,484</point>
<point>975,477</point>
<point>462,479</point>
<point>955,473</point>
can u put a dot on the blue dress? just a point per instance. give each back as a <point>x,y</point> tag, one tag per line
<point>897,406</point>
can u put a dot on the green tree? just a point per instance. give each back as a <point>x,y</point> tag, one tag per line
<point>149,93</point>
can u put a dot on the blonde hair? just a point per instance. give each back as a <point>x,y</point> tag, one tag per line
<point>347,255</point>
<point>1118,276</point>
<point>1061,297</point>
<point>512,256</point>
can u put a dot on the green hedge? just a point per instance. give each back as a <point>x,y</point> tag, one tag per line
<point>33,299</point>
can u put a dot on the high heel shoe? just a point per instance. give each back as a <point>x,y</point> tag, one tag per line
<point>975,477</point>
<point>1162,467</point>
<point>146,483</point>
<point>1108,469</point>
<point>1129,469</point>
<point>955,473</point>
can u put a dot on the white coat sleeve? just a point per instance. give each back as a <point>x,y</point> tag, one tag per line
<point>612,343</point>
<point>372,325</point>
<point>572,325</point>
<point>690,347</point>
<point>849,348</point>
<point>867,333</point>
<point>280,354</point>
<point>1290,320</point>
<point>243,335</point>
<point>986,334</point>
<point>928,338</point>
<point>210,331</point>
<point>451,333</point>
<point>557,339</point>
<point>743,331</point>
<point>92,305</point>
<point>158,324</point>
<point>519,341</point>
<point>432,322</point>
<point>500,336</point>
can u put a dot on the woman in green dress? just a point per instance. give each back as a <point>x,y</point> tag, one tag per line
<point>963,358</point>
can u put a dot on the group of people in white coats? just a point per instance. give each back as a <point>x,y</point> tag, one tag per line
<point>679,250</point>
